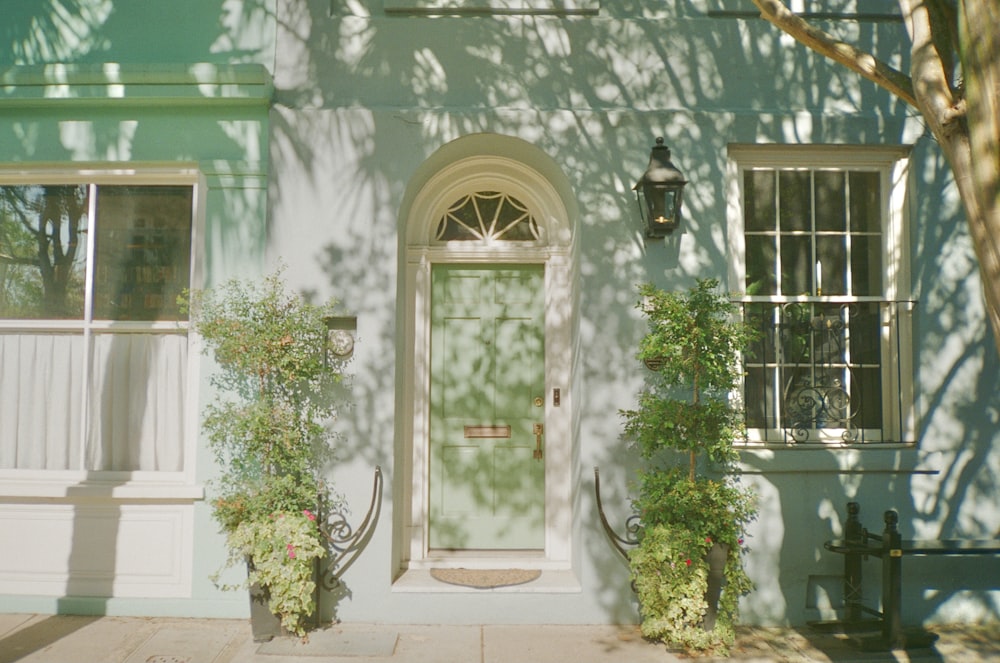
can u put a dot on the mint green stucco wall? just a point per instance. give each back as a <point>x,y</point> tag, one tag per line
<point>365,96</point>
<point>150,87</point>
<point>314,169</point>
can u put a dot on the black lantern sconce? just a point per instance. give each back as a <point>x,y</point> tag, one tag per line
<point>659,193</point>
<point>340,332</point>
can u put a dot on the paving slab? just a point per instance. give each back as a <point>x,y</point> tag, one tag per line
<point>188,641</point>
<point>439,644</point>
<point>367,643</point>
<point>74,639</point>
<point>80,639</point>
<point>10,623</point>
<point>579,644</point>
<point>336,641</point>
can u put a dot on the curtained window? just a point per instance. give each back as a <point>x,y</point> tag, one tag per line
<point>93,346</point>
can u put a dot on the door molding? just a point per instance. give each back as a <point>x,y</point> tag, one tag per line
<point>555,250</point>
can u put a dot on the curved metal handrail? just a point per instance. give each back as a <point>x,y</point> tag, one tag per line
<point>632,523</point>
<point>344,540</point>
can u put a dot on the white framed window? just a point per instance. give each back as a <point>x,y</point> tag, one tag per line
<point>819,249</point>
<point>96,379</point>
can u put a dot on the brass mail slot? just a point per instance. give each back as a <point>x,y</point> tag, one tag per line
<point>478,432</point>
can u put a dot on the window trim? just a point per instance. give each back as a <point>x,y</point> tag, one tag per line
<point>892,162</point>
<point>129,484</point>
<point>492,7</point>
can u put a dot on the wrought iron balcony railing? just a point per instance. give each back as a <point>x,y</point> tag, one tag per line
<point>826,370</point>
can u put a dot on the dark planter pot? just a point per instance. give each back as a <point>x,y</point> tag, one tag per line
<point>716,559</point>
<point>264,624</point>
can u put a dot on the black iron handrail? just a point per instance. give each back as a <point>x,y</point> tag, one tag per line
<point>346,543</point>
<point>632,523</point>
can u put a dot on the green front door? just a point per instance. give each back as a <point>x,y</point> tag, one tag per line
<point>487,467</point>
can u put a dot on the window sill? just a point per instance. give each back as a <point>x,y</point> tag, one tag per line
<point>880,458</point>
<point>65,488</point>
<point>499,7</point>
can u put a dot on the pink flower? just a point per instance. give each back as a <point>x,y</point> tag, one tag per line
<point>291,551</point>
<point>708,539</point>
<point>309,514</point>
<point>688,562</point>
<point>740,541</point>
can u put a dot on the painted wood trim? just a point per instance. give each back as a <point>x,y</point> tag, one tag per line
<point>555,7</point>
<point>136,85</point>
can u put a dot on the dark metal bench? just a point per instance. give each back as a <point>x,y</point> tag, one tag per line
<point>858,544</point>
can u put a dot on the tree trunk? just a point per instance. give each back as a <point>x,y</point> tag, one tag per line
<point>979,50</point>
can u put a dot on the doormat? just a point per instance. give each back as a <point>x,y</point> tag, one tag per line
<point>485,578</point>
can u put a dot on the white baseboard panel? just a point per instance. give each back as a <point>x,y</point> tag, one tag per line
<point>100,550</point>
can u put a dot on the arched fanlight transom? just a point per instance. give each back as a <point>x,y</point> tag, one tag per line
<point>487,216</point>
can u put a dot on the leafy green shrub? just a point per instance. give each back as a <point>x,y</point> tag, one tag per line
<point>693,343</point>
<point>670,575</point>
<point>269,432</point>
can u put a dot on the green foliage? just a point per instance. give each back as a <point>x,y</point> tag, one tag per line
<point>659,423</point>
<point>269,431</point>
<point>716,508</point>
<point>283,549</point>
<point>694,342</point>
<point>695,335</point>
<point>670,575</point>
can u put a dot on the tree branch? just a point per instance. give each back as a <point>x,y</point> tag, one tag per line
<point>931,82</point>
<point>865,64</point>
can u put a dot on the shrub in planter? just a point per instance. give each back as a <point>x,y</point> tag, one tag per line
<point>269,432</point>
<point>690,501</point>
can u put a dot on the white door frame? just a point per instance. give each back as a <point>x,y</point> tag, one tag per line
<point>553,249</point>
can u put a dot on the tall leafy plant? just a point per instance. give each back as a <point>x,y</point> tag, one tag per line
<point>685,425</point>
<point>269,431</point>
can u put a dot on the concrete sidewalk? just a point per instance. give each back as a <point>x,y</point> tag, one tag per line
<point>80,639</point>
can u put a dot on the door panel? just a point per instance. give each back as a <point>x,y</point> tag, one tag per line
<point>487,386</point>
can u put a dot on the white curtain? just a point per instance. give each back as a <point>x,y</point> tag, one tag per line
<point>137,385</point>
<point>136,394</point>
<point>41,382</point>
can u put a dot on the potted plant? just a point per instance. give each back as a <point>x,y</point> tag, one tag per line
<point>687,568</point>
<point>269,432</point>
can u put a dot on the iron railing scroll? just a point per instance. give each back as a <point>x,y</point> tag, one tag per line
<point>347,543</point>
<point>632,524</point>
<point>817,372</point>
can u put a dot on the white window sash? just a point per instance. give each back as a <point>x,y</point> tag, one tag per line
<point>898,413</point>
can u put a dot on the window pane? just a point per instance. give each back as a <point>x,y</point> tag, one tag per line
<point>797,268</point>
<point>757,395</point>
<point>866,202</point>
<point>487,215</point>
<point>138,421</point>
<point>866,265</point>
<point>865,333</point>
<point>831,256</point>
<point>867,393</point>
<point>43,238</point>
<point>831,208</point>
<point>795,194</point>
<point>143,251</point>
<point>41,387</point>
<point>758,191</point>
<point>761,265</point>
